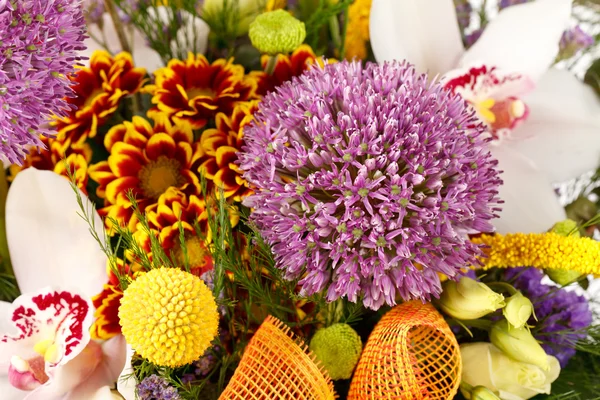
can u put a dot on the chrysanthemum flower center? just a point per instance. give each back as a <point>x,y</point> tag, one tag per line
<point>200,91</point>
<point>198,256</point>
<point>157,176</point>
<point>169,316</point>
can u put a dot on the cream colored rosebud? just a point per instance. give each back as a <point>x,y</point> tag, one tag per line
<point>519,344</point>
<point>483,393</point>
<point>469,299</point>
<point>518,310</point>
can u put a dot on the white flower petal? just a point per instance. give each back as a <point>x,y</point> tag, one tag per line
<point>126,383</point>
<point>49,243</point>
<point>530,204</point>
<point>522,38</point>
<point>562,133</point>
<point>143,55</point>
<point>424,32</point>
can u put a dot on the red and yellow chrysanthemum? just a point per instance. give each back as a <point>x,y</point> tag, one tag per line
<point>220,146</point>
<point>286,68</point>
<point>145,161</point>
<point>99,90</point>
<point>53,159</point>
<point>176,210</point>
<point>193,91</point>
<point>106,317</point>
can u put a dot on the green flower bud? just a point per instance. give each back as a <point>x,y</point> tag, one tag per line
<point>483,393</point>
<point>519,344</point>
<point>276,32</point>
<point>564,276</point>
<point>469,299</point>
<point>518,310</point>
<point>338,347</point>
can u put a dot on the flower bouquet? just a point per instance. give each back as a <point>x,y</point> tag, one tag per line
<point>311,199</point>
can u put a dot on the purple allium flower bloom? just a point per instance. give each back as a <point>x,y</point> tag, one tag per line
<point>507,3</point>
<point>155,387</point>
<point>463,13</point>
<point>39,46</point>
<point>573,41</point>
<point>367,180</point>
<point>562,315</point>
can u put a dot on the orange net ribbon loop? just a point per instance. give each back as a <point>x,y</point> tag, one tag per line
<point>411,355</point>
<point>276,365</point>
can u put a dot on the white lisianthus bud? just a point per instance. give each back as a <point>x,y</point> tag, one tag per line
<point>518,310</point>
<point>483,393</point>
<point>469,299</point>
<point>485,365</point>
<point>238,14</point>
<point>519,344</point>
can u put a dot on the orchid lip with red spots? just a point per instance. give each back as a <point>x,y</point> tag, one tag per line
<point>52,327</point>
<point>494,94</point>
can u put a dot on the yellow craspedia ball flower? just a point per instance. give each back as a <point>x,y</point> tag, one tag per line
<point>169,316</point>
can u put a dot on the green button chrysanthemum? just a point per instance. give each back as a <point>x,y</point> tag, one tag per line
<point>338,347</point>
<point>276,32</point>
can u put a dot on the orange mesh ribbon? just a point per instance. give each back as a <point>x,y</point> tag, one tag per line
<point>411,355</point>
<point>275,365</point>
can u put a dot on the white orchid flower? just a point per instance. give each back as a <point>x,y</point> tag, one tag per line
<point>45,346</point>
<point>545,124</point>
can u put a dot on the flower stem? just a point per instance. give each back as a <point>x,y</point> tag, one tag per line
<point>4,254</point>
<point>334,29</point>
<point>270,67</point>
<point>503,286</point>
<point>112,10</point>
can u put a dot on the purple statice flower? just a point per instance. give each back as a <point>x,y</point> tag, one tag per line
<point>502,4</point>
<point>463,13</point>
<point>472,37</point>
<point>367,180</point>
<point>93,10</point>
<point>562,315</point>
<point>573,41</point>
<point>155,387</point>
<point>39,47</point>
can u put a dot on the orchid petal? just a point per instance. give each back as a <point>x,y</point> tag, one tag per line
<point>126,384</point>
<point>562,134</point>
<point>530,204</point>
<point>49,243</point>
<point>522,38</point>
<point>143,55</point>
<point>424,32</point>
<point>6,325</point>
<point>9,392</point>
<point>59,319</point>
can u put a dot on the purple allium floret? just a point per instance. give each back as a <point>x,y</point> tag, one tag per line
<point>39,43</point>
<point>367,180</point>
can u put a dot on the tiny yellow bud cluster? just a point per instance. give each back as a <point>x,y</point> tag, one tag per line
<point>169,316</point>
<point>541,250</point>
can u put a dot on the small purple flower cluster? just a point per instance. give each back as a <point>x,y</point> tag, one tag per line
<point>155,387</point>
<point>507,3</point>
<point>463,13</point>
<point>562,315</point>
<point>368,180</point>
<point>39,47</point>
<point>573,41</point>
